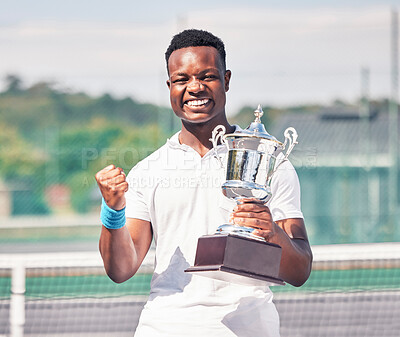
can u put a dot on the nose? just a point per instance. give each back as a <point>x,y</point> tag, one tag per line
<point>195,86</point>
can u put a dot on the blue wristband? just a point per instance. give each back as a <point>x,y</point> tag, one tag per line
<point>110,218</point>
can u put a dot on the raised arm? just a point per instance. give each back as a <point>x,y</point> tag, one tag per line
<point>123,249</point>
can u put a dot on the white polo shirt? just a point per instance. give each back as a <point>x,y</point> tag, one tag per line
<point>179,192</point>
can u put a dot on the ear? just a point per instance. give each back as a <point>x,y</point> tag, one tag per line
<point>227,79</point>
<point>169,84</point>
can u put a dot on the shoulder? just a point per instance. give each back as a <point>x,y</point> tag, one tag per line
<point>150,163</point>
<point>285,171</point>
<point>285,188</point>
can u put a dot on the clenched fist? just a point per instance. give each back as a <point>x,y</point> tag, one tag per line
<point>113,185</point>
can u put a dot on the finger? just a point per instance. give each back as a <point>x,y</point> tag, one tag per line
<point>251,207</point>
<point>98,176</point>
<point>258,215</point>
<point>115,190</point>
<point>112,173</point>
<point>251,222</point>
<point>112,183</point>
<point>115,171</point>
<point>254,222</point>
<point>248,200</point>
<point>266,234</point>
<point>105,173</point>
<point>106,169</point>
<point>122,187</point>
<point>117,179</point>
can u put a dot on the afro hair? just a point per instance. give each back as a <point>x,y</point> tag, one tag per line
<point>196,38</point>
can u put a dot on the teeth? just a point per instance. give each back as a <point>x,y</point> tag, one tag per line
<point>197,102</point>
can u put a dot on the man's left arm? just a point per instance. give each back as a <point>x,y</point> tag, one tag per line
<point>290,234</point>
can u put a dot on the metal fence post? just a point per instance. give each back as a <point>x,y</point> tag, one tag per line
<point>17,305</point>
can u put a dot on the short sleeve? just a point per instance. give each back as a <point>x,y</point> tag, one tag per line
<point>136,205</point>
<point>285,187</point>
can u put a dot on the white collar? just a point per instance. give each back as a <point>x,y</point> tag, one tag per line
<point>174,143</point>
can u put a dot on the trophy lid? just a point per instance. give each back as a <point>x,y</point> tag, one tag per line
<point>255,129</point>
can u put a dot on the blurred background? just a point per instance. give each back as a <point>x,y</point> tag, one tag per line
<point>82,85</point>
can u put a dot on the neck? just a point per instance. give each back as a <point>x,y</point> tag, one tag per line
<point>197,136</point>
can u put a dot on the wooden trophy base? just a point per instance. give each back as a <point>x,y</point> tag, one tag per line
<point>237,259</point>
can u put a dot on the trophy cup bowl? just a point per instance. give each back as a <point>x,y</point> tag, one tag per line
<point>234,253</point>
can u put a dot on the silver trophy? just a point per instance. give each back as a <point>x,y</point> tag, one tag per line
<point>234,253</point>
<point>251,163</point>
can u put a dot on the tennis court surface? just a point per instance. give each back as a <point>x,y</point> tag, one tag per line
<point>354,290</point>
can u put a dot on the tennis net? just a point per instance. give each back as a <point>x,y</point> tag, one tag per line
<point>353,290</point>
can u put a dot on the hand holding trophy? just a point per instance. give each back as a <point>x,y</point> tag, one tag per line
<point>234,253</point>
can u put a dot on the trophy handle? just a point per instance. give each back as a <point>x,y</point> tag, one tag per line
<point>217,134</point>
<point>291,138</point>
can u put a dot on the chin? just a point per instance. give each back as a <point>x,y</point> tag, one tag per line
<point>196,120</point>
<point>199,118</point>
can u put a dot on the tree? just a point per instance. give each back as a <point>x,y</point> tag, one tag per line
<point>13,84</point>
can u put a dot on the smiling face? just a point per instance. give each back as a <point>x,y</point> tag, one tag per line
<point>198,84</point>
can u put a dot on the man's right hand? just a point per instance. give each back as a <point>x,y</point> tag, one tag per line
<point>113,185</point>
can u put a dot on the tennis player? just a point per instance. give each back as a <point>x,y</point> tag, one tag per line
<point>174,197</point>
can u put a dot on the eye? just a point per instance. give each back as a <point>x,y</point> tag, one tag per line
<point>179,80</point>
<point>210,77</point>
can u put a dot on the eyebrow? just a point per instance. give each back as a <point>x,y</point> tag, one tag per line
<point>209,69</point>
<point>179,74</point>
<point>200,73</point>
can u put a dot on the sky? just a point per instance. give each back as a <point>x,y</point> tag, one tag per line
<point>280,53</point>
